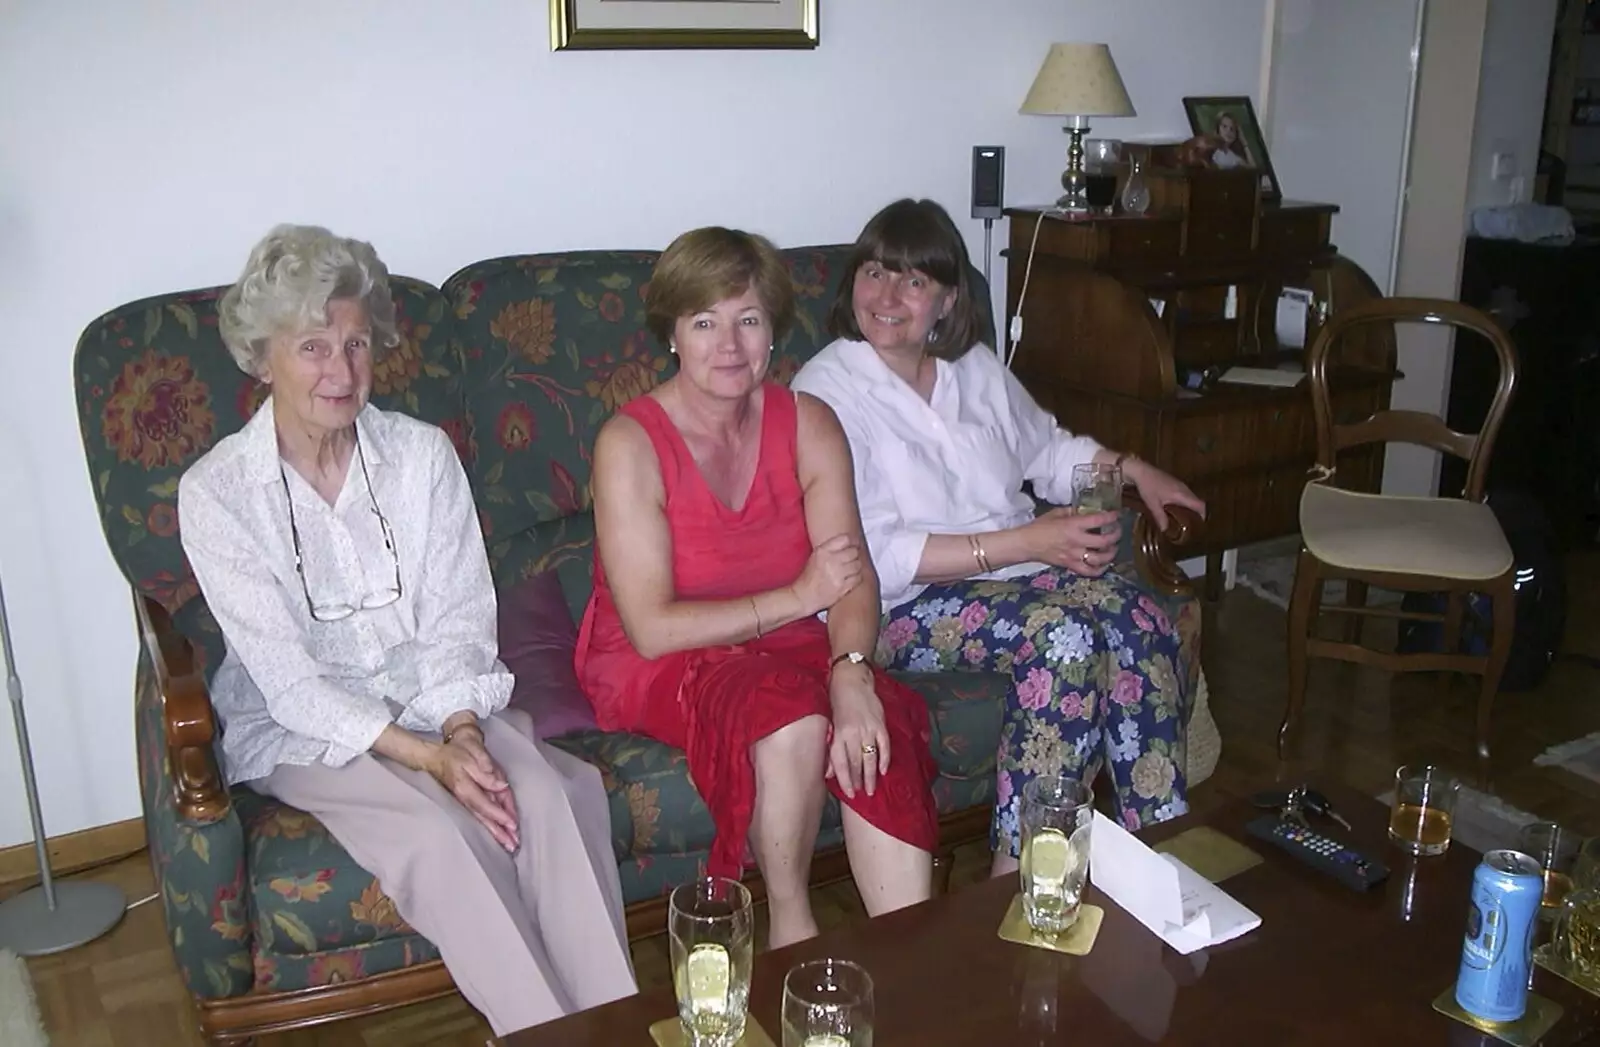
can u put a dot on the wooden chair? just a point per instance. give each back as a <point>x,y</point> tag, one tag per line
<point>1447,544</point>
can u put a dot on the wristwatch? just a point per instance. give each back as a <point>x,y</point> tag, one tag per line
<point>853,657</point>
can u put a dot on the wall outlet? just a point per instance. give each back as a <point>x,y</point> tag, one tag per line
<point>1519,190</point>
<point>1504,165</point>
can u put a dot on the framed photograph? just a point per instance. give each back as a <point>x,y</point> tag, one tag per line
<point>1229,121</point>
<point>577,25</point>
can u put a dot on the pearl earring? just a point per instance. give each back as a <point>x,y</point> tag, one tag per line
<point>672,347</point>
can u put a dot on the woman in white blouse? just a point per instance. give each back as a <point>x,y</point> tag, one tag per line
<point>338,547</point>
<point>943,437</point>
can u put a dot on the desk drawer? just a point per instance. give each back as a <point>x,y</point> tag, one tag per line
<point>1277,430</point>
<point>1293,234</point>
<point>1143,241</point>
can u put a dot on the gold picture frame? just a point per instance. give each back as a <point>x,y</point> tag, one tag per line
<point>588,25</point>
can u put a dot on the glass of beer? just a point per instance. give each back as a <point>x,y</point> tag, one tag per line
<point>711,932</point>
<point>827,1003</point>
<point>1057,814</point>
<point>1096,488</point>
<point>1556,850</point>
<point>1424,808</point>
<point>1575,940</point>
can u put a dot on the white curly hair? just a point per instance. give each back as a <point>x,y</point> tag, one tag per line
<point>286,284</point>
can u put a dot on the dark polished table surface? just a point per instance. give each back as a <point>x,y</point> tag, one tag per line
<point>1327,966</point>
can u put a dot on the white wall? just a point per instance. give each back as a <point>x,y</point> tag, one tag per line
<point>1511,93</point>
<point>146,147</point>
<point>1341,73</point>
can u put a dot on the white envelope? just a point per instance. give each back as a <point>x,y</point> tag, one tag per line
<point>1180,906</point>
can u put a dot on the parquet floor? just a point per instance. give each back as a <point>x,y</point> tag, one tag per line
<point>124,990</point>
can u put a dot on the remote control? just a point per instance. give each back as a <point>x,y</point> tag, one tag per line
<point>1344,863</point>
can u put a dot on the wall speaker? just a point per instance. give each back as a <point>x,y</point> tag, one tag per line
<point>988,180</point>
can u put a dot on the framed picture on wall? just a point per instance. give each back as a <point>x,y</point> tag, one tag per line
<point>1229,121</point>
<point>577,25</point>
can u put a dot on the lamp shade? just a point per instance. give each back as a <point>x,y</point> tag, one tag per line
<point>1078,80</point>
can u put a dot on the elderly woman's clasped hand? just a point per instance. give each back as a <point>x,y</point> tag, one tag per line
<point>464,767</point>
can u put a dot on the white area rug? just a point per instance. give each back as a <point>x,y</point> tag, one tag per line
<point>1581,756</point>
<point>19,1012</point>
<point>1483,822</point>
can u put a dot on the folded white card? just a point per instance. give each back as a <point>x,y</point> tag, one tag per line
<point>1180,906</point>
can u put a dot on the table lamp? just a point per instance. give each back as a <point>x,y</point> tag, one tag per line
<point>1077,81</point>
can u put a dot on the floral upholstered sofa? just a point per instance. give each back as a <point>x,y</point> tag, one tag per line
<point>520,359</point>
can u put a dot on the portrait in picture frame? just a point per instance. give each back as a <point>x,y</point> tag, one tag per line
<point>1229,123</point>
<point>578,25</point>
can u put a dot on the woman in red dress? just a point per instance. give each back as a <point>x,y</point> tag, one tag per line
<point>726,523</point>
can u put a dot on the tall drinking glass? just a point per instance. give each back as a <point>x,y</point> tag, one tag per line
<point>1424,808</point>
<point>827,1003</point>
<point>711,932</point>
<point>1097,488</point>
<point>1057,814</point>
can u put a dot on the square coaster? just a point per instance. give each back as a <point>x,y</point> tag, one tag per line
<point>1210,853</point>
<point>1076,940</point>
<point>668,1032</point>
<point>1545,957</point>
<point>1540,1017</point>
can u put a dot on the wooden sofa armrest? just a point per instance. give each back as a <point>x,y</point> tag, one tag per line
<point>199,791</point>
<point>1153,551</point>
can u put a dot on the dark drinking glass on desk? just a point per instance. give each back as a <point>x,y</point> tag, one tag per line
<point>1101,190</point>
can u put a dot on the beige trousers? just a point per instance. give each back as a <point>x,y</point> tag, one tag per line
<point>528,937</point>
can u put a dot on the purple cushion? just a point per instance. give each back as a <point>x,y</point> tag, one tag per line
<point>537,642</point>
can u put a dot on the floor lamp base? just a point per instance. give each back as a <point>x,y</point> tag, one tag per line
<point>83,912</point>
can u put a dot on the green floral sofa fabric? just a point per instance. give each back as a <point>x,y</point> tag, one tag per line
<point>521,360</point>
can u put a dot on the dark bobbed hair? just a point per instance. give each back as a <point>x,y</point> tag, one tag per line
<point>914,235</point>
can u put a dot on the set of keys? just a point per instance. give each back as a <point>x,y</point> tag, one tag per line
<point>1293,805</point>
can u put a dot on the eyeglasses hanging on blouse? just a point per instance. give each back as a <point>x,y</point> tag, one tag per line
<point>333,612</point>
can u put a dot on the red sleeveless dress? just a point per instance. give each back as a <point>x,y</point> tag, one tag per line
<point>716,702</point>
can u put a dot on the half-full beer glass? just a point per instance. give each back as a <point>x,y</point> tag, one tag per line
<point>711,932</point>
<point>1057,814</point>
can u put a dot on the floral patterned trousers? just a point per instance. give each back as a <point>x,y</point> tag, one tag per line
<point>1103,677</point>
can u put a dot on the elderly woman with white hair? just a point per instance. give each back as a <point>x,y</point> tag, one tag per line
<point>338,547</point>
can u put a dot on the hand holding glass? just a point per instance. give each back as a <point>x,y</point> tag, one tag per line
<point>1057,814</point>
<point>827,1003</point>
<point>711,932</point>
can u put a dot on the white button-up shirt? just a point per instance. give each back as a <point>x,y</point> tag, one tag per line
<point>293,690</point>
<point>954,464</point>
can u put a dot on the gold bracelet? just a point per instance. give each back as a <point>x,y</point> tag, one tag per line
<point>757,612</point>
<point>451,733</point>
<point>978,554</point>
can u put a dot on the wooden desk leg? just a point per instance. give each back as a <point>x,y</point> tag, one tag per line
<point>1214,577</point>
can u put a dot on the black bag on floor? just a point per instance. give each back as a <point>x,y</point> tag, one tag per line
<point>1541,598</point>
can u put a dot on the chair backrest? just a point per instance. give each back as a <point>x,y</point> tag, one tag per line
<point>1404,426</point>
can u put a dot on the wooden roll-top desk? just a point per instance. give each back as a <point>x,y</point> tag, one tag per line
<point>1123,313</point>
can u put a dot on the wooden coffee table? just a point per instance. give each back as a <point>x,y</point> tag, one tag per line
<point>1327,966</point>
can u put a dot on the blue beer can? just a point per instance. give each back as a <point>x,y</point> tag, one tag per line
<point>1493,982</point>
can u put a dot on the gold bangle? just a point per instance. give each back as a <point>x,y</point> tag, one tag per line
<point>452,732</point>
<point>978,554</point>
<point>757,612</point>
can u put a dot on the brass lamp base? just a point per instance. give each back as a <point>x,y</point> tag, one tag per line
<point>1075,201</point>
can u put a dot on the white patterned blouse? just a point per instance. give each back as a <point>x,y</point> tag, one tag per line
<point>318,664</point>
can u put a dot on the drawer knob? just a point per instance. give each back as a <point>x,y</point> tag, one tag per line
<point>1205,443</point>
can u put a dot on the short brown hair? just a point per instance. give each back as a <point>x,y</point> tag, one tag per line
<point>706,266</point>
<point>914,235</point>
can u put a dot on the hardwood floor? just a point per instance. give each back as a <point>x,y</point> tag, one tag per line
<point>124,990</point>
